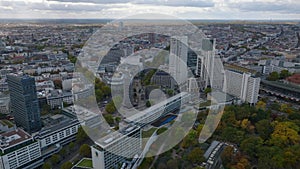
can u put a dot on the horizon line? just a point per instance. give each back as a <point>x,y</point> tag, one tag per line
<point>296,20</point>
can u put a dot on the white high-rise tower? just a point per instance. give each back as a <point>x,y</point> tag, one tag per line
<point>209,66</point>
<point>178,58</point>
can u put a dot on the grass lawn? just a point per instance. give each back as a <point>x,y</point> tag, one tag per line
<point>147,134</point>
<point>86,163</point>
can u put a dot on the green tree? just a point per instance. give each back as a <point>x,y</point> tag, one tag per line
<point>110,107</point>
<point>55,159</point>
<point>170,92</point>
<point>227,155</point>
<point>232,135</point>
<point>46,166</point>
<point>264,129</point>
<point>161,166</point>
<point>261,105</point>
<point>63,152</point>
<point>118,119</point>
<point>81,135</point>
<point>196,156</point>
<point>285,134</point>
<point>148,103</point>
<point>109,118</point>
<point>292,156</point>
<point>72,58</point>
<point>228,119</point>
<point>270,157</point>
<point>207,90</point>
<point>71,146</point>
<point>273,76</point>
<point>190,139</point>
<point>66,165</point>
<point>284,74</point>
<point>99,95</point>
<point>85,150</point>
<point>172,164</point>
<point>106,90</point>
<point>251,146</point>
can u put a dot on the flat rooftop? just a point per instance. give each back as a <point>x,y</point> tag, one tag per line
<point>153,109</point>
<point>116,135</point>
<point>13,138</point>
<point>55,123</point>
<point>239,68</point>
<point>81,113</point>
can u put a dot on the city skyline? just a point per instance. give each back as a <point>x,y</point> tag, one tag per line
<point>191,9</point>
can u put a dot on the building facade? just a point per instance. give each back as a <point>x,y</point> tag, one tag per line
<point>209,66</point>
<point>242,85</point>
<point>112,150</point>
<point>178,58</point>
<point>18,149</point>
<point>24,102</point>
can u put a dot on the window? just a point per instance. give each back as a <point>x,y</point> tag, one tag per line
<point>48,140</point>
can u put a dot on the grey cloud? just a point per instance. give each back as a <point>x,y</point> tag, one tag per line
<point>67,7</point>
<point>174,3</point>
<point>280,7</point>
<point>53,6</point>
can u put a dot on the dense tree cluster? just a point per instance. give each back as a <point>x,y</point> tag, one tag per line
<point>102,91</point>
<point>265,135</point>
<point>273,76</point>
<point>266,138</point>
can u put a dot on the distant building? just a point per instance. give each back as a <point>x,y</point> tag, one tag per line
<point>19,150</point>
<point>115,81</point>
<point>193,86</point>
<point>294,79</point>
<point>84,116</point>
<point>24,102</point>
<point>56,98</point>
<point>6,126</point>
<point>4,104</point>
<point>112,150</point>
<point>163,79</point>
<point>242,85</point>
<point>192,61</point>
<point>276,65</point>
<point>3,86</point>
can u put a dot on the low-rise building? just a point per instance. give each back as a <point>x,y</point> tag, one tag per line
<point>18,150</point>
<point>4,104</point>
<point>60,129</point>
<point>56,98</point>
<point>112,150</point>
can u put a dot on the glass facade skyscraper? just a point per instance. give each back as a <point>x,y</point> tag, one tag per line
<point>24,102</point>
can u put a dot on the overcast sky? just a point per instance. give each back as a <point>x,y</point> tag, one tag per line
<point>186,9</point>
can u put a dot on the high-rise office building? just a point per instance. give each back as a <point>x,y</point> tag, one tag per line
<point>209,66</point>
<point>242,85</point>
<point>192,61</point>
<point>24,102</point>
<point>178,58</point>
